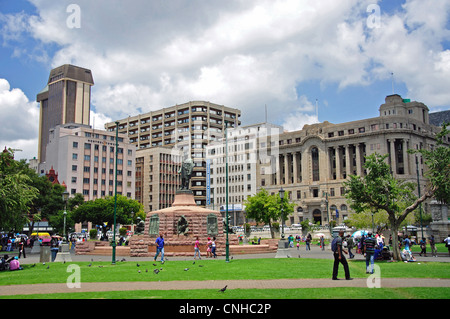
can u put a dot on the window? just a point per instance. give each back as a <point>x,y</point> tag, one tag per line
<point>74,156</point>
<point>74,168</point>
<point>315,163</point>
<point>87,146</point>
<point>75,144</point>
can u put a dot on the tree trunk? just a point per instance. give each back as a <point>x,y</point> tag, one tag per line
<point>394,231</point>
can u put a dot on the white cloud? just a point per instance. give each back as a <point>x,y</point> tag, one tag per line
<point>301,116</point>
<point>19,121</point>
<point>243,54</point>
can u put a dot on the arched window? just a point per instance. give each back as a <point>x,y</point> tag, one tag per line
<point>344,207</point>
<point>315,164</point>
<point>299,209</point>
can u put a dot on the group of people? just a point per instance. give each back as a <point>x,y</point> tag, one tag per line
<point>210,248</point>
<point>367,245</point>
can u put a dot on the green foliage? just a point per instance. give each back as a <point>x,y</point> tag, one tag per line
<point>265,208</point>
<point>101,211</point>
<point>93,233</point>
<point>16,192</point>
<point>123,231</point>
<point>437,161</point>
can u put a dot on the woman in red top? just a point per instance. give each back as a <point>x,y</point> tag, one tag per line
<point>197,249</point>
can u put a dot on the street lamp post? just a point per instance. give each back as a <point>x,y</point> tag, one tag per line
<point>227,244</point>
<point>328,212</point>
<point>281,192</point>
<point>418,190</point>
<point>65,197</point>
<point>115,197</point>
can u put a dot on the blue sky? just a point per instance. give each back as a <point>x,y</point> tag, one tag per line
<point>285,54</point>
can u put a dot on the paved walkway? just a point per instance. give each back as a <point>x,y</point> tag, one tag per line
<point>232,284</point>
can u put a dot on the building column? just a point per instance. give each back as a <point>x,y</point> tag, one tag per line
<point>286,169</point>
<point>347,160</point>
<point>392,153</point>
<point>405,157</point>
<point>305,166</point>
<point>338,162</point>
<point>278,169</point>
<point>358,160</point>
<point>295,168</point>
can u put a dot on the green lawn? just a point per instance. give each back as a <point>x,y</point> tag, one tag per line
<point>216,270</point>
<point>234,270</point>
<point>239,294</point>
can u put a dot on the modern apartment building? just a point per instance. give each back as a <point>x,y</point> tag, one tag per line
<point>65,99</point>
<point>186,128</point>
<point>157,177</point>
<point>85,159</point>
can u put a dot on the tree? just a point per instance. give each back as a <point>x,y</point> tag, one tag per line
<point>101,212</point>
<point>16,192</point>
<point>265,208</point>
<point>379,191</point>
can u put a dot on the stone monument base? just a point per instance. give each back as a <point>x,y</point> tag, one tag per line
<point>180,226</point>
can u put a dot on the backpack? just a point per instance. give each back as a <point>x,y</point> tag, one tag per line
<point>334,244</point>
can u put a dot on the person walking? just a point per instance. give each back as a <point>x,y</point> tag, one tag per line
<point>308,242</point>
<point>213,247</point>
<point>369,251</point>
<point>433,246</point>
<point>322,242</point>
<point>22,249</point>
<point>423,247</point>
<point>197,249</point>
<point>447,244</point>
<point>338,253</point>
<point>160,247</point>
<point>209,248</point>
<point>350,245</point>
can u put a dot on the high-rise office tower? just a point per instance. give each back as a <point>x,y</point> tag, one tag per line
<point>65,99</point>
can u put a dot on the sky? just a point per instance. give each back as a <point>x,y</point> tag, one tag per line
<point>307,61</point>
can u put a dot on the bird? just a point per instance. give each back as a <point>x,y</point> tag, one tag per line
<point>137,264</point>
<point>90,265</point>
<point>139,271</point>
<point>154,265</point>
<point>92,259</point>
<point>48,267</point>
<point>186,269</point>
<point>200,265</point>
<point>288,256</point>
<point>299,256</point>
<point>224,288</point>
<point>100,266</point>
<point>33,265</point>
<point>156,271</point>
<point>123,259</point>
<point>193,263</point>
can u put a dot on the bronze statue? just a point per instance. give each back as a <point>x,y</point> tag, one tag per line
<point>140,226</point>
<point>186,170</point>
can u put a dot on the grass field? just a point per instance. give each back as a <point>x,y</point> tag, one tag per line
<point>234,270</point>
<point>216,270</point>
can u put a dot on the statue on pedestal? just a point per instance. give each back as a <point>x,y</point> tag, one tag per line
<point>186,170</point>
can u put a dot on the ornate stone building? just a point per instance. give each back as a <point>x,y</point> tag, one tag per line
<point>312,163</point>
